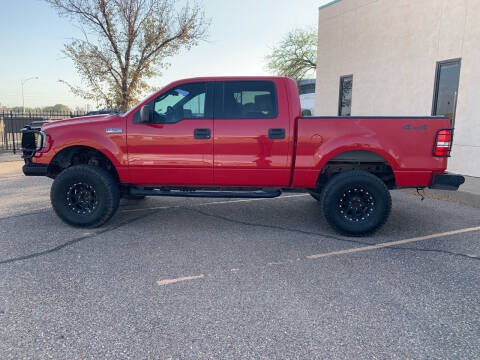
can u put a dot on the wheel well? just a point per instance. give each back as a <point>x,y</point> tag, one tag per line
<point>76,155</point>
<point>357,160</point>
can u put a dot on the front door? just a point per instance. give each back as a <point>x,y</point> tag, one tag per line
<point>176,147</point>
<point>252,134</point>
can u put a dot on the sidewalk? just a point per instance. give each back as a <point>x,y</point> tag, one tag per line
<point>6,156</point>
<point>467,194</point>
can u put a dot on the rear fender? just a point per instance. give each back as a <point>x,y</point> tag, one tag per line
<point>324,154</point>
<point>308,167</point>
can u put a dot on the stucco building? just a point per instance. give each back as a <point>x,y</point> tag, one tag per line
<point>404,57</point>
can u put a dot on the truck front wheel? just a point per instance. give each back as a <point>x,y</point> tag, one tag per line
<point>356,203</point>
<point>85,196</point>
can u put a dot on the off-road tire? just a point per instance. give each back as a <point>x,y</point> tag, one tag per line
<point>85,196</point>
<point>356,203</point>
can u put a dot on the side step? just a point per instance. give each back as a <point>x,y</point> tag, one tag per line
<point>206,194</point>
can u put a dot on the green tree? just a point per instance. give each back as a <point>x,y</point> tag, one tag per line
<point>125,43</point>
<point>19,109</point>
<point>56,108</point>
<point>296,55</point>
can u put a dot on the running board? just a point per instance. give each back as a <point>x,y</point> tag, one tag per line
<point>206,194</point>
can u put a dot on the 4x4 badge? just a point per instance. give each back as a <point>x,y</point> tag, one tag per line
<point>411,127</point>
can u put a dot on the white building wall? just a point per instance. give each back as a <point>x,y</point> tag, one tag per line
<point>392,47</point>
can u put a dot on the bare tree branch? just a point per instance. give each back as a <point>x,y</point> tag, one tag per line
<point>129,43</point>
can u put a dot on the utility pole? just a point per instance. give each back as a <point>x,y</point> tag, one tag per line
<point>23,98</point>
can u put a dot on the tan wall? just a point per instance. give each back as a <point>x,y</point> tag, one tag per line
<point>391,47</point>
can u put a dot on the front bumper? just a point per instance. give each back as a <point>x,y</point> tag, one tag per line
<point>447,181</point>
<point>32,169</point>
<point>29,149</point>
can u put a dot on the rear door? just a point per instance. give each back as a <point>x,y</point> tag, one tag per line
<point>251,134</point>
<point>176,148</point>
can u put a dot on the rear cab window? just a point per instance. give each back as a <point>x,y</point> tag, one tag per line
<point>249,100</point>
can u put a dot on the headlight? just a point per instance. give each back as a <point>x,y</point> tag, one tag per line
<point>39,139</point>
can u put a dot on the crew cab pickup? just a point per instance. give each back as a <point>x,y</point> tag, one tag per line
<point>237,137</point>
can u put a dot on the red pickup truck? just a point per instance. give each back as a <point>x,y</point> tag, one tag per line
<point>237,137</point>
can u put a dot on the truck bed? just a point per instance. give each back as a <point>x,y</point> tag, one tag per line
<point>405,143</point>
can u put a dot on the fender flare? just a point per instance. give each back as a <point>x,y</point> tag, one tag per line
<point>332,154</point>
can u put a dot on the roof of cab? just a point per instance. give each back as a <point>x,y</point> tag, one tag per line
<point>230,78</point>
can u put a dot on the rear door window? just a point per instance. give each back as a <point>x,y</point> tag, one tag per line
<point>249,100</point>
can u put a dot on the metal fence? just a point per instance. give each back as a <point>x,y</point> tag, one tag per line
<point>12,122</point>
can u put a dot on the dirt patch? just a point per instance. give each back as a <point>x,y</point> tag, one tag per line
<point>11,168</point>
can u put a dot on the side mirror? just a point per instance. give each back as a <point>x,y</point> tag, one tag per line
<point>146,114</point>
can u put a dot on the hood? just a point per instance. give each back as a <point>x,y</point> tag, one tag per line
<point>84,120</point>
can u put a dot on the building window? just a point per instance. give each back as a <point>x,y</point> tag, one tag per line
<point>445,94</point>
<point>345,97</point>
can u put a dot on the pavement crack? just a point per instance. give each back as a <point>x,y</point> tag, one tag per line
<point>36,212</point>
<point>433,250</point>
<point>73,241</point>
<point>204,213</point>
<point>277,227</point>
<point>311,233</point>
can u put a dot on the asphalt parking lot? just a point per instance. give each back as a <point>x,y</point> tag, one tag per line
<point>173,278</point>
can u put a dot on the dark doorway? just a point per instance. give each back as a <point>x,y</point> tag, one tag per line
<point>445,95</point>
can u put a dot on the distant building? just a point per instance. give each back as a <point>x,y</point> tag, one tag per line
<point>404,57</point>
<point>306,90</point>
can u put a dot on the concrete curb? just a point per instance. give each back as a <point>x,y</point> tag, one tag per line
<point>458,197</point>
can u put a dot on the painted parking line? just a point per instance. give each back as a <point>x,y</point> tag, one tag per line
<point>340,252</point>
<point>173,281</point>
<point>393,243</point>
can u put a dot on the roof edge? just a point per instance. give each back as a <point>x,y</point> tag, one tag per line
<point>328,4</point>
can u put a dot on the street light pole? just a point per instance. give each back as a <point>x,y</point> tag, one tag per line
<point>23,98</point>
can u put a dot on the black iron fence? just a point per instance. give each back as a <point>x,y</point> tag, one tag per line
<point>12,122</point>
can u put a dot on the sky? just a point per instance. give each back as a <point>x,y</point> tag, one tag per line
<point>241,34</point>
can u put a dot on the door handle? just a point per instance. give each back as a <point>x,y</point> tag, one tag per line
<point>201,133</point>
<point>276,133</point>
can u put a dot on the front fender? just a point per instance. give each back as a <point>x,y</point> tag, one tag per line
<point>112,145</point>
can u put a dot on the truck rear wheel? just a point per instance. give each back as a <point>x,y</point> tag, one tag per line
<point>85,196</point>
<point>356,203</point>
